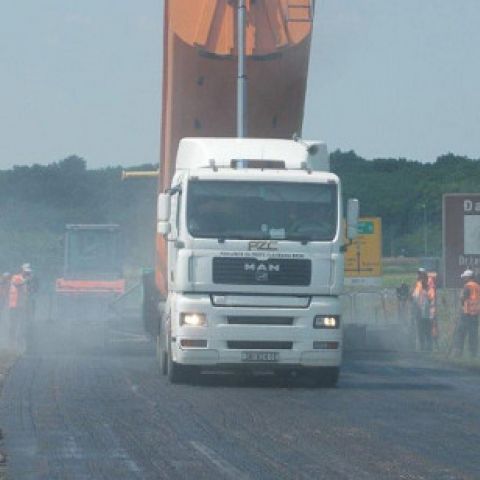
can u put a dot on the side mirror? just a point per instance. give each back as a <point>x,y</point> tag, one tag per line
<point>353,212</point>
<point>163,214</point>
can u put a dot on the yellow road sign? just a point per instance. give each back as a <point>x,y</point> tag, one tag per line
<point>363,257</point>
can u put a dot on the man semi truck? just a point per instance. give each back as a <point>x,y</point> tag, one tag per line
<point>92,279</point>
<point>255,264</point>
<point>250,230</point>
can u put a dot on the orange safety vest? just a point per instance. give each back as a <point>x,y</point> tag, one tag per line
<point>421,298</point>
<point>17,292</point>
<point>471,305</point>
<point>432,296</point>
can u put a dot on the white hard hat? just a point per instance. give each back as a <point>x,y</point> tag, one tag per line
<point>26,267</point>
<point>467,273</point>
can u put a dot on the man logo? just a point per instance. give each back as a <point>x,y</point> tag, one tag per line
<point>262,270</point>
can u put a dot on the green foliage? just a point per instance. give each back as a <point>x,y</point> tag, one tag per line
<point>37,202</point>
<point>400,191</point>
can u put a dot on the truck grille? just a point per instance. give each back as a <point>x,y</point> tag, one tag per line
<point>250,271</point>
<point>260,320</point>
<point>259,345</point>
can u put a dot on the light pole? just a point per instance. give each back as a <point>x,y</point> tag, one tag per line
<point>425,231</point>
<point>241,71</point>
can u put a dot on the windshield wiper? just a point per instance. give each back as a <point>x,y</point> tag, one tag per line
<point>303,239</point>
<point>242,236</point>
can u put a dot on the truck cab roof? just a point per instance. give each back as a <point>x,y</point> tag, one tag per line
<point>259,153</point>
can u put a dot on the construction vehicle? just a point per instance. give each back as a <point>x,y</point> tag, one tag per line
<point>92,276</point>
<point>250,244</point>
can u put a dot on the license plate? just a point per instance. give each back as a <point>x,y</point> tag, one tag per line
<point>260,356</point>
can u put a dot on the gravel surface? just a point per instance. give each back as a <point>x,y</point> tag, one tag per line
<point>90,414</point>
<point>7,359</point>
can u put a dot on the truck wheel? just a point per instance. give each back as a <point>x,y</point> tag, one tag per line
<point>175,372</point>
<point>178,373</point>
<point>328,377</point>
<point>164,363</point>
<point>286,377</point>
<point>162,356</point>
<point>150,303</point>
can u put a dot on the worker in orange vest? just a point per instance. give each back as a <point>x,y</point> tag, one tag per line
<point>422,310</point>
<point>432,298</point>
<point>468,325</point>
<point>17,305</point>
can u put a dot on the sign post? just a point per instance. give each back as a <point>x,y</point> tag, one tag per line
<point>461,236</point>
<point>363,259</point>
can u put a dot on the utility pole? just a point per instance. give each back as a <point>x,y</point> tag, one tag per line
<point>242,71</point>
<point>425,231</point>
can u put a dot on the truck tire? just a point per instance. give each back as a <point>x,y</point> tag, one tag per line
<point>327,377</point>
<point>176,373</point>
<point>150,301</point>
<point>162,355</point>
<point>179,373</point>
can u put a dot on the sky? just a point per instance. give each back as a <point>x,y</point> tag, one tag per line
<point>387,78</point>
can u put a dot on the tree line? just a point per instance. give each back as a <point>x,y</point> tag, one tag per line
<point>407,195</point>
<point>36,202</point>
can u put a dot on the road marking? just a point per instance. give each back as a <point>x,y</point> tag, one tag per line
<point>225,467</point>
<point>72,451</point>
<point>129,337</point>
<point>136,391</point>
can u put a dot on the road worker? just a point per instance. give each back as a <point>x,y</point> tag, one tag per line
<point>421,311</point>
<point>17,306</point>
<point>468,325</point>
<point>432,298</point>
<point>4,287</point>
<point>32,290</point>
<point>402,299</point>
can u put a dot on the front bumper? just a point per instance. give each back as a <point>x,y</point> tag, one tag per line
<point>225,342</point>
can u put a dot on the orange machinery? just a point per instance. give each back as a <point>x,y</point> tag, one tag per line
<point>92,273</point>
<point>200,69</point>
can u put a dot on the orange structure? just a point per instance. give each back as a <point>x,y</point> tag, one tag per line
<point>199,76</point>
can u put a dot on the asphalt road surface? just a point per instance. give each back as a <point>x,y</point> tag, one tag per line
<point>83,413</point>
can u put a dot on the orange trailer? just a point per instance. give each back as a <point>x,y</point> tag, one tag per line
<point>199,76</point>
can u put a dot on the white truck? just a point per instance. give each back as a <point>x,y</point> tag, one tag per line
<point>255,235</point>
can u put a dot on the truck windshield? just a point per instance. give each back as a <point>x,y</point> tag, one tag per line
<point>259,210</point>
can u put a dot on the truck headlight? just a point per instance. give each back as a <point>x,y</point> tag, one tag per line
<point>326,321</point>
<point>193,319</point>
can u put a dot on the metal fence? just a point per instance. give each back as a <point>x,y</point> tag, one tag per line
<point>379,319</point>
<point>374,319</point>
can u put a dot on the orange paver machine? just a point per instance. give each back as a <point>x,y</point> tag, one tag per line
<point>92,273</point>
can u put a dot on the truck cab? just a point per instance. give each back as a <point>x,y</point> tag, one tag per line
<point>255,258</point>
